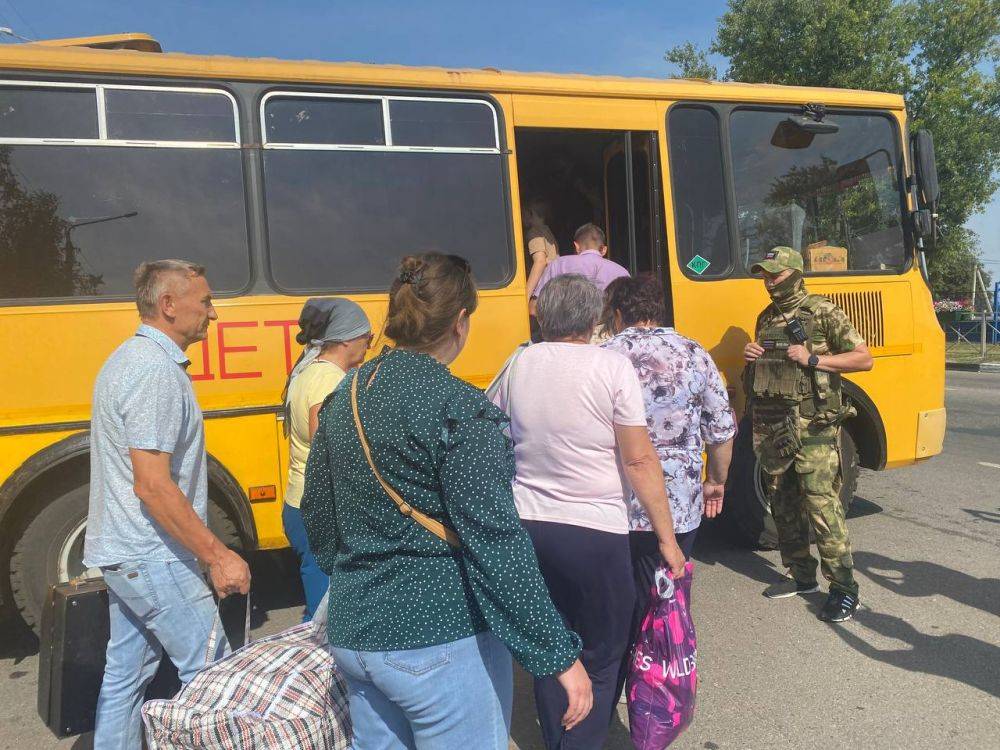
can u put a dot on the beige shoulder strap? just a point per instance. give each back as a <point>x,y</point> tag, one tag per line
<point>432,525</point>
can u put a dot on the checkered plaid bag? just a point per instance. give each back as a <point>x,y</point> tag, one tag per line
<point>283,691</point>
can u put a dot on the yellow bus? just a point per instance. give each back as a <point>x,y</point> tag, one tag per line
<point>293,179</point>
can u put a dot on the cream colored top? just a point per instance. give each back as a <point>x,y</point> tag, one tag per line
<point>311,387</point>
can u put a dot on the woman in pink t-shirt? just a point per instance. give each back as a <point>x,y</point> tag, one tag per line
<point>578,423</point>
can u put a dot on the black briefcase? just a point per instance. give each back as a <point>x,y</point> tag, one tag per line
<point>74,637</point>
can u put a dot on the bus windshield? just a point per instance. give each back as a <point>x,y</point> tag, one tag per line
<point>835,197</point>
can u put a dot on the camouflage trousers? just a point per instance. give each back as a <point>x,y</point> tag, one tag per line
<point>807,495</point>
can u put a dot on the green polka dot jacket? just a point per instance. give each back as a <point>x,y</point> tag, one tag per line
<point>393,584</point>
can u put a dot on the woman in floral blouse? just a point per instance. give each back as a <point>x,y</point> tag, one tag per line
<point>687,412</point>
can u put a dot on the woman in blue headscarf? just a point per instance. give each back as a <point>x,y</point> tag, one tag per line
<point>336,334</point>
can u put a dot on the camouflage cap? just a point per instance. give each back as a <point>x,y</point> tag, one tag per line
<point>777,259</point>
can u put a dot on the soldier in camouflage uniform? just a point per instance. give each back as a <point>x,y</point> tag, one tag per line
<point>803,343</point>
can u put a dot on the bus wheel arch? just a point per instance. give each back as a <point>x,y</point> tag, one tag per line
<point>44,509</point>
<point>867,428</point>
<point>226,495</point>
<point>40,506</point>
<point>67,453</point>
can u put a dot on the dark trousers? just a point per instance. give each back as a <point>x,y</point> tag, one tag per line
<point>589,577</point>
<point>646,559</point>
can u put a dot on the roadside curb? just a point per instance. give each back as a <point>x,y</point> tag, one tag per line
<point>973,366</point>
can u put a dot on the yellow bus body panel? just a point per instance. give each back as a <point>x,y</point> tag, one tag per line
<point>53,352</point>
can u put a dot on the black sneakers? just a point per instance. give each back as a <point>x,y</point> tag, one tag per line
<point>840,606</point>
<point>789,587</point>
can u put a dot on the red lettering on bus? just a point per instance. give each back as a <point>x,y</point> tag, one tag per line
<point>286,326</point>
<point>206,364</point>
<point>223,350</point>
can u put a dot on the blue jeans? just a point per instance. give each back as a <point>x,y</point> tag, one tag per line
<point>444,697</point>
<point>154,606</point>
<point>314,581</point>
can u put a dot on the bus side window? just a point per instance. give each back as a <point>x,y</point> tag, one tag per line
<point>696,172</point>
<point>41,112</point>
<point>151,115</point>
<point>159,170</point>
<point>353,182</point>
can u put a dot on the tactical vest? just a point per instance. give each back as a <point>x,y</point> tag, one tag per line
<point>777,379</point>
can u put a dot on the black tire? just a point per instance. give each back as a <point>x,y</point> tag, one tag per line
<point>41,551</point>
<point>747,509</point>
<point>223,525</point>
<point>49,549</point>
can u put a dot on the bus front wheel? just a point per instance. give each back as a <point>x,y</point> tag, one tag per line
<point>747,507</point>
<point>49,549</point>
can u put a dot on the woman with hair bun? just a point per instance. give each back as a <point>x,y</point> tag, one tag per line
<point>408,508</point>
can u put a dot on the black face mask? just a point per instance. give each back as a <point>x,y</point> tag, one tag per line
<point>788,294</point>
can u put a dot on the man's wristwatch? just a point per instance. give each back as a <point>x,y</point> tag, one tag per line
<point>813,360</point>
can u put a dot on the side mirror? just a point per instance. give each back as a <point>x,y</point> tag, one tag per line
<point>923,222</point>
<point>926,181</point>
<point>925,169</point>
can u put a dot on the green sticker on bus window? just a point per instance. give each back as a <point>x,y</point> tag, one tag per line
<point>699,265</point>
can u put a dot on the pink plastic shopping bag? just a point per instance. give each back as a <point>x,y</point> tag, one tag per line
<point>663,680</point>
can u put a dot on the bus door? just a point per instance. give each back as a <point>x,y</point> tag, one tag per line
<point>634,207</point>
<point>594,160</point>
<point>609,178</point>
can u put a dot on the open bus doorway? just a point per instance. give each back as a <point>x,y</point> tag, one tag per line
<point>607,177</point>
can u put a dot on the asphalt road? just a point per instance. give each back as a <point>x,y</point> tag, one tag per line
<point>919,667</point>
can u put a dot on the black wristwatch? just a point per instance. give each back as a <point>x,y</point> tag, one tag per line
<point>813,360</point>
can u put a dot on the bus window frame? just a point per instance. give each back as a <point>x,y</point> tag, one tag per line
<point>728,189</point>
<point>502,150</point>
<point>102,116</point>
<point>908,248</point>
<point>98,83</point>
<point>654,189</point>
<point>724,111</point>
<point>386,125</point>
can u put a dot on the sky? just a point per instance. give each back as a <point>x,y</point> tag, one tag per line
<point>627,37</point>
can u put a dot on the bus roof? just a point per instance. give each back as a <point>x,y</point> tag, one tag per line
<point>136,41</point>
<point>77,56</point>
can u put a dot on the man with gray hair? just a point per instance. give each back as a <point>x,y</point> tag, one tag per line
<point>146,526</point>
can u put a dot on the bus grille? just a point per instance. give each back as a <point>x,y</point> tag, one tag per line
<point>864,309</point>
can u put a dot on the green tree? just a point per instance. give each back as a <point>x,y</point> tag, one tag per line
<point>692,62</point>
<point>951,266</point>
<point>941,55</point>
